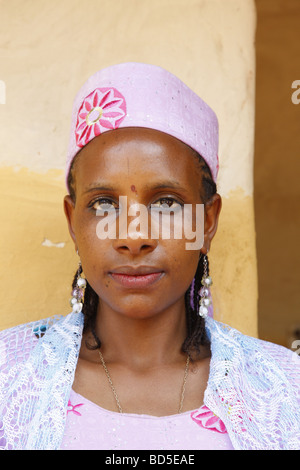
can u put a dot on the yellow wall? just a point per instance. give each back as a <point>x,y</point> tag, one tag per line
<point>48,49</point>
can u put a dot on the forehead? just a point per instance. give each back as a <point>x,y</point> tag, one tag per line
<point>140,153</point>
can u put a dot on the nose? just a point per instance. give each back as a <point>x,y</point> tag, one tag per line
<point>134,232</point>
<point>135,246</point>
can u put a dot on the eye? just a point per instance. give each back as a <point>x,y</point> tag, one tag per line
<point>103,204</point>
<point>167,204</point>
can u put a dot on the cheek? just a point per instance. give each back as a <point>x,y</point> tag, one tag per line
<point>86,236</point>
<point>183,264</point>
<point>90,247</point>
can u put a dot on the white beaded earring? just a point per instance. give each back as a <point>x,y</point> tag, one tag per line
<point>206,282</point>
<point>78,291</point>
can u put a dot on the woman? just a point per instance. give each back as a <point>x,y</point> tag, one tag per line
<point>140,363</point>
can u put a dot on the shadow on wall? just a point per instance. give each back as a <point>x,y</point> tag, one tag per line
<point>277,169</point>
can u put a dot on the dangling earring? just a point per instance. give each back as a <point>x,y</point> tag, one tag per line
<point>206,282</point>
<point>78,291</point>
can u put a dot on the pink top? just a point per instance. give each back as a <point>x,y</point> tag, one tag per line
<point>90,427</point>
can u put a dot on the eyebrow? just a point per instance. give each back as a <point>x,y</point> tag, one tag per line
<point>171,184</point>
<point>98,187</point>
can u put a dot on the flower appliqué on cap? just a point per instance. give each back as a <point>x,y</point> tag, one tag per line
<point>103,109</point>
<point>206,419</point>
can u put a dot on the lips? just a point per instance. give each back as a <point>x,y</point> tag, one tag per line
<point>136,277</point>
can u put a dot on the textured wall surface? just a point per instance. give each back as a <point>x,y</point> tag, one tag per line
<point>277,169</point>
<point>48,48</point>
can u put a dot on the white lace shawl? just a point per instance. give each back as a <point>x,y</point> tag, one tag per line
<point>253,386</point>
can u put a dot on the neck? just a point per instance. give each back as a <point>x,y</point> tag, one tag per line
<point>142,342</point>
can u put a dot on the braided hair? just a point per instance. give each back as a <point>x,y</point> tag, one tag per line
<point>196,332</point>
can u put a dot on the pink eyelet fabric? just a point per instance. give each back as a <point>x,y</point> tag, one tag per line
<point>90,427</point>
<point>143,95</point>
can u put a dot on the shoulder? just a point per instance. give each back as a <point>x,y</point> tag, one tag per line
<point>254,385</point>
<point>255,354</point>
<point>17,342</point>
<point>222,334</point>
<point>284,360</point>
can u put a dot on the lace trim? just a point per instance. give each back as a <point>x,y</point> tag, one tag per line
<point>253,386</point>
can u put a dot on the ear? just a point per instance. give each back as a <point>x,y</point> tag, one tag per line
<point>212,212</point>
<point>69,208</point>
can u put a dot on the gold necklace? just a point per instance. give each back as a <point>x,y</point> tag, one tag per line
<point>116,395</point>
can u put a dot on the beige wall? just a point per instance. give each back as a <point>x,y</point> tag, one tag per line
<point>48,49</point>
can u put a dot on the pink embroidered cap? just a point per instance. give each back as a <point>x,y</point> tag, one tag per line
<point>142,95</point>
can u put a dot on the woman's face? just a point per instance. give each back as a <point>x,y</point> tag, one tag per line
<point>132,273</point>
